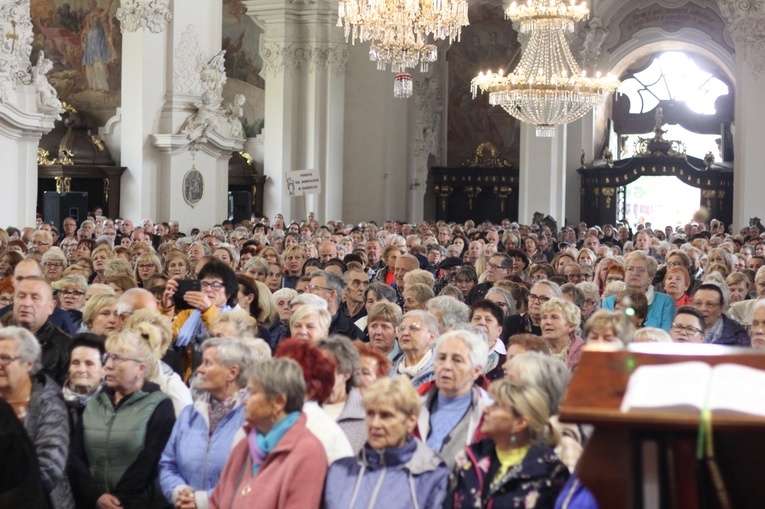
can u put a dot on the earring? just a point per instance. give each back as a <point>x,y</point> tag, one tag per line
<point>512,439</point>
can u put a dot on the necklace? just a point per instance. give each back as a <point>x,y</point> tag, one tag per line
<point>562,354</point>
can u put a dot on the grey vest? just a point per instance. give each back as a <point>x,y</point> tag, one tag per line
<point>115,437</point>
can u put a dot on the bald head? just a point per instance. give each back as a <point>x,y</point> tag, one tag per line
<point>25,269</point>
<point>327,251</point>
<point>134,299</point>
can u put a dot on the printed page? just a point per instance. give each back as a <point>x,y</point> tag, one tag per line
<point>737,389</point>
<point>676,386</point>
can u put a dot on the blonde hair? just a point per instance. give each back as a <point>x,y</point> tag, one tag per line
<point>397,391</point>
<point>95,304</point>
<point>307,310</point>
<point>422,293</point>
<point>527,401</point>
<point>571,313</point>
<point>158,320</point>
<point>616,321</point>
<point>246,326</point>
<point>269,309</point>
<point>148,257</point>
<point>141,344</point>
<point>419,276</point>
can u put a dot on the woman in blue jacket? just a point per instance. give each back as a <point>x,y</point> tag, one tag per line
<point>203,435</point>
<point>393,469</point>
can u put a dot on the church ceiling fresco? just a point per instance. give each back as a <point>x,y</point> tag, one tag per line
<point>241,39</point>
<point>82,38</point>
<point>489,42</point>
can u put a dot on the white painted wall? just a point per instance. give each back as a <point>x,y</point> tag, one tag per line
<point>375,183</point>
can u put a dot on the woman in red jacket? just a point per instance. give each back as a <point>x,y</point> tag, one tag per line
<point>280,464</point>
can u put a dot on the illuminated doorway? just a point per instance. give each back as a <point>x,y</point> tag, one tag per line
<point>661,201</point>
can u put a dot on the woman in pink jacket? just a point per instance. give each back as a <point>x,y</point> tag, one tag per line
<point>280,465</point>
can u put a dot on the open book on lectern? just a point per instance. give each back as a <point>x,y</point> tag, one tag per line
<point>693,386</point>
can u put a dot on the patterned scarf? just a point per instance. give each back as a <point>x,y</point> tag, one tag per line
<point>220,409</point>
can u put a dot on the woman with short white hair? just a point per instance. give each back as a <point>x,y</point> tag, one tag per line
<point>560,322</point>
<point>310,323</point>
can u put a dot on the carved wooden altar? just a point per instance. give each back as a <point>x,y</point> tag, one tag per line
<point>484,187</point>
<point>70,158</point>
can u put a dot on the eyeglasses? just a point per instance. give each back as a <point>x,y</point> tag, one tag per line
<point>685,329</point>
<point>410,328</point>
<point>674,264</point>
<point>611,279</point>
<point>496,267</point>
<point>538,277</point>
<point>73,293</point>
<point>590,302</point>
<point>38,243</point>
<point>56,265</point>
<point>7,359</point>
<point>538,298</point>
<point>574,277</point>
<point>313,288</point>
<point>215,285</point>
<point>145,265</point>
<point>117,359</point>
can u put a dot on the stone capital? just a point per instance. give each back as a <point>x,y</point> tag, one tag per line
<point>745,20</point>
<point>135,15</point>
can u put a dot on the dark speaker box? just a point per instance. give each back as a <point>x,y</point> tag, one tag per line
<point>239,206</point>
<point>59,206</point>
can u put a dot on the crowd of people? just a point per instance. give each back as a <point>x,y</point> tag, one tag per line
<point>299,365</point>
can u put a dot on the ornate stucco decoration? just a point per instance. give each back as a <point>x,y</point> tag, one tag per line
<point>745,20</point>
<point>212,115</point>
<point>47,97</point>
<point>303,48</point>
<point>137,14</point>
<point>188,64</point>
<point>592,44</point>
<point>16,39</point>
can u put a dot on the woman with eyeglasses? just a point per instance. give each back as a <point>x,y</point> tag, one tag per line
<point>37,403</point>
<point>416,336</point>
<point>119,440</point>
<point>530,321</point>
<point>219,291</point>
<point>146,266</point>
<point>54,262</point>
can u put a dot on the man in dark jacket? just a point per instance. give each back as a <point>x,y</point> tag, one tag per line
<point>330,287</point>
<point>33,305</point>
<point>711,298</point>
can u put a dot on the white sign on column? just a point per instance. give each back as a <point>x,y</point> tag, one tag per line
<point>303,182</point>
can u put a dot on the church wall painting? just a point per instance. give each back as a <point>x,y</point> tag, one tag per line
<point>241,40</point>
<point>82,38</point>
<point>488,43</point>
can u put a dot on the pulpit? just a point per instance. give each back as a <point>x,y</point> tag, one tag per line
<point>647,459</point>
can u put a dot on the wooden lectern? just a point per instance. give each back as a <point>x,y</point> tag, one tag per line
<point>614,465</point>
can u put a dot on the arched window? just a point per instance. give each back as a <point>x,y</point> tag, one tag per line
<point>696,99</point>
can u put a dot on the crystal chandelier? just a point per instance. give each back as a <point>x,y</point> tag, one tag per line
<point>399,30</point>
<point>547,88</point>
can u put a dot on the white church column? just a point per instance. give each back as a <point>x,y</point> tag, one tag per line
<point>744,23</point>
<point>304,56</point>
<point>27,111</point>
<point>542,179</point>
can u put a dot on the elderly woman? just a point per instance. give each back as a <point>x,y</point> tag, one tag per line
<point>416,337</point>
<point>100,315</point>
<point>637,304</point>
<point>383,320</point>
<point>344,403</point>
<point>204,433</point>
<point>310,323</point>
<point>86,373</point>
<point>447,311</point>
<point>413,475</point>
<point>488,317</point>
<point>280,325</point>
<point>256,268</point>
<point>560,322</point>
<point>517,453</point>
<point>219,289</point>
<point>118,442</point>
<point>529,322</point>
<point>591,298</point>
<point>177,265</point>
<point>608,329</point>
<point>502,298</point>
<point>374,293</point>
<point>374,365</point>
<point>639,271</point>
<point>452,404</point>
<point>54,262</point>
<point>676,283</point>
<point>146,266</point>
<point>37,402</point>
<point>739,285</point>
<point>416,296</point>
<point>280,465</point>
<point>100,256</point>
